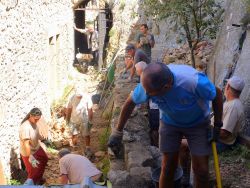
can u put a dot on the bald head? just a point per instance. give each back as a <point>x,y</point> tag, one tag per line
<point>156,75</point>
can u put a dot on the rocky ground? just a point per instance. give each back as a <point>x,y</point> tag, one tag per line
<point>234,165</point>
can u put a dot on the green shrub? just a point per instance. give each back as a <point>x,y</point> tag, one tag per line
<point>14,182</point>
<point>103,139</point>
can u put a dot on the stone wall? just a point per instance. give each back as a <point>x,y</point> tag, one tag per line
<point>138,159</point>
<point>36,49</point>
<point>228,58</point>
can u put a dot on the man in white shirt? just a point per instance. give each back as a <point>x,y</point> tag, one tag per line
<point>74,167</point>
<point>233,113</point>
<point>79,115</point>
<point>92,39</point>
<point>233,116</point>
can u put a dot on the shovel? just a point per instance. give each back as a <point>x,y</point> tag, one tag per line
<point>216,165</point>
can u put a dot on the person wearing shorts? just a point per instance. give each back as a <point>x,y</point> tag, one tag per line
<point>182,95</point>
<point>79,115</point>
<point>233,118</point>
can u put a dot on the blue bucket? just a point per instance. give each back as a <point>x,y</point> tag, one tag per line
<point>177,177</point>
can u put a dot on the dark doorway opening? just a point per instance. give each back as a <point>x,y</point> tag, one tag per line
<point>109,25</point>
<point>80,39</point>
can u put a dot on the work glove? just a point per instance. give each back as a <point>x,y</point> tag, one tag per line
<point>34,163</point>
<point>115,141</point>
<point>215,132</point>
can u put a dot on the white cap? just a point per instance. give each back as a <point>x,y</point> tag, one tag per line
<point>236,83</point>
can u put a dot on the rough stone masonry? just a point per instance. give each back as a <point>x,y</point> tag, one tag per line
<point>36,47</point>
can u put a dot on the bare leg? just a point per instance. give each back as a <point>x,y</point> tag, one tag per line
<point>201,171</point>
<point>168,167</point>
<point>74,139</point>
<point>87,141</point>
<point>185,161</point>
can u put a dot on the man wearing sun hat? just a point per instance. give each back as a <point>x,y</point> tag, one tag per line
<point>233,116</point>
<point>233,113</point>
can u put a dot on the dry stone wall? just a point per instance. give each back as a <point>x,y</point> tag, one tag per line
<point>36,47</point>
<point>138,159</point>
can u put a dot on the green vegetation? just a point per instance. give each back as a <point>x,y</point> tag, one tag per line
<point>122,5</point>
<point>52,150</point>
<point>14,182</point>
<point>59,103</point>
<point>198,19</point>
<point>247,2</point>
<point>104,166</point>
<point>112,32</point>
<point>117,111</point>
<point>239,153</point>
<point>103,139</point>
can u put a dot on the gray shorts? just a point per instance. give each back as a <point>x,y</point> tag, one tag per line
<point>197,138</point>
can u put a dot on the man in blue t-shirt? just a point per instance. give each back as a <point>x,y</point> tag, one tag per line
<point>183,96</point>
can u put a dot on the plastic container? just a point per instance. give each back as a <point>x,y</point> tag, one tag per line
<point>177,177</point>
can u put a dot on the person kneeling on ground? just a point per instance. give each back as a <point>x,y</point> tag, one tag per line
<point>34,157</point>
<point>233,115</point>
<point>74,167</point>
<point>79,115</point>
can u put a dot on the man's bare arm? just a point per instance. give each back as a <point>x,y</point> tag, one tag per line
<point>224,134</point>
<point>125,113</point>
<point>80,30</point>
<point>63,179</point>
<point>218,106</point>
<point>68,114</point>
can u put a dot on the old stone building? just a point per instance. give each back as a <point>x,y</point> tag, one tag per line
<point>37,48</point>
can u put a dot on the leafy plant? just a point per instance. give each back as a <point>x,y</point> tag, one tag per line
<point>14,182</point>
<point>104,166</point>
<point>122,5</point>
<point>103,139</point>
<point>198,18</point>
<point>237,152</point>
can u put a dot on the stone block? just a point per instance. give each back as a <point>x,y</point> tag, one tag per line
<point>139,157</point>
<point>144,172</point>
<point>117,164</point>
<point>119,178</point>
